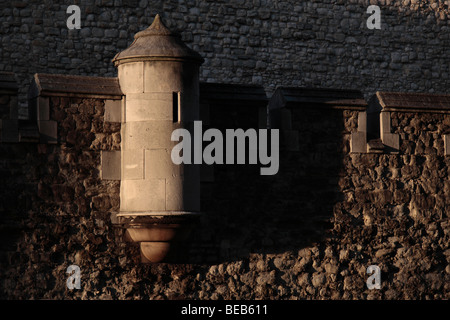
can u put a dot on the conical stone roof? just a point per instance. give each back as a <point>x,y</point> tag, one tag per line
<point>157,42</point>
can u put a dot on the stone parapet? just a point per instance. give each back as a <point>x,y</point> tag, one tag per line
<point>411,122</point>
<point>45,86</point>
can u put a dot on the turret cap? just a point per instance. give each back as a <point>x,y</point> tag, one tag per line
<point>157,42</point>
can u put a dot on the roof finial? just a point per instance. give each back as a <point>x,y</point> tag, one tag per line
<point>157,21</point>
<point>156,28</point>
<point>157,42</point>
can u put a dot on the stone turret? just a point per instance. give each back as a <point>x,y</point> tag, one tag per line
<point>158,74</point>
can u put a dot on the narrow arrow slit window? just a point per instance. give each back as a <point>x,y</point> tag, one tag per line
<point>176,107</point>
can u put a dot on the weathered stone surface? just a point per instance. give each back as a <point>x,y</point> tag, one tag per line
<point>131,77</point>
<point>140,195</point>
<point>111,169</point>
<point>113,110</point>
<point>133,164</point>
<point>148,135</point>
<point>159,165</point>
<point>149,106</point>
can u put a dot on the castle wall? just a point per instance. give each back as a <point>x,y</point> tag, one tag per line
<point>308,232</point>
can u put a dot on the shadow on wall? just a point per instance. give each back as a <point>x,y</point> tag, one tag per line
<point>245,212</point>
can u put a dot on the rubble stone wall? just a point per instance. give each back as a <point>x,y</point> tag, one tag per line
<point>309,232</point>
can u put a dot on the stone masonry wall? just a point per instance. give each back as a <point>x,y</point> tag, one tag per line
<point>290,43</point>
<point>309,232</point>
<point>64,214</point>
